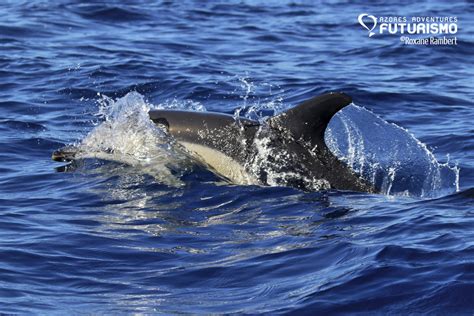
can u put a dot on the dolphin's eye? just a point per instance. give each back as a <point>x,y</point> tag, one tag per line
<point>161,121</point>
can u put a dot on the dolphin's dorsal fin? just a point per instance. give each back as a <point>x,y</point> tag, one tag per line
<point>308,121</point>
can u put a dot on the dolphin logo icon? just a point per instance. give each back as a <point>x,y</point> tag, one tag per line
<point>361,21</point>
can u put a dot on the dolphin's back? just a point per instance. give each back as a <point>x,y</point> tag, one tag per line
<point>221,132</point>
<point>229,145</point>
<point>304,126</point>
<point>219,140</point>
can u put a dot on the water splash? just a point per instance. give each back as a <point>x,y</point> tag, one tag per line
<point>275,165</point>
<point>249,88</point>
<point>127,135</point>
<point>258,109</point>
<point>388,155</point>
<point>187,105</point>
<point>272,165</point>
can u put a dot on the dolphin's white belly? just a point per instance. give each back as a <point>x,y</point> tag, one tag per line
<point>221,163</point>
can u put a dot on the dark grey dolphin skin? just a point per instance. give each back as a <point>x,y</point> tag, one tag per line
<point>298,132</point>
<point>65,154</point>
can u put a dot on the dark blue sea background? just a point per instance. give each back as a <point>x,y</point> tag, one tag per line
<point>136,228</point>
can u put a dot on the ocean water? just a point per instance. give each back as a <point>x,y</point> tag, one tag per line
<point>136,226</point>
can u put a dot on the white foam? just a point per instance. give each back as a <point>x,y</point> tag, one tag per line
<point>127,135</point>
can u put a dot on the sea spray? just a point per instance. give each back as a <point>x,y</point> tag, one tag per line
<point>388,155</point>
<point>126,134</point>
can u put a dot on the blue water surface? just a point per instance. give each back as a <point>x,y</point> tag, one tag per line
<point>110,237</point>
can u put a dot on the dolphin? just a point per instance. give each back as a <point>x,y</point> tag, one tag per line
<point>287,149</point>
